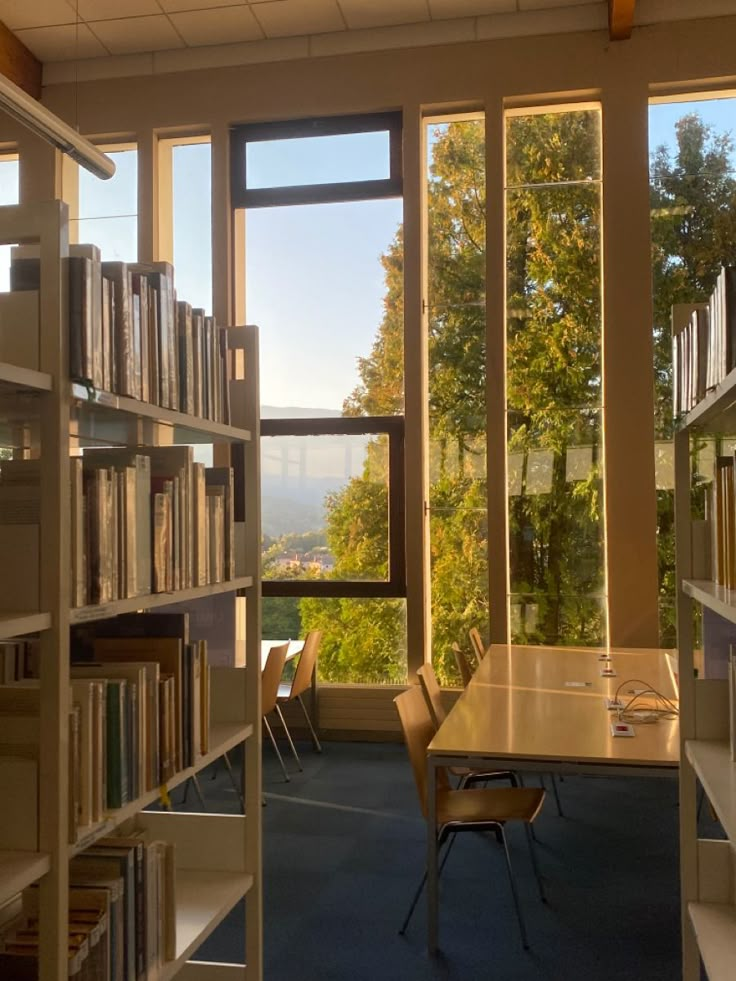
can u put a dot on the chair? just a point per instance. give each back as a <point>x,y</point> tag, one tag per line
<point>477,644</point>
<point>270,678</point>
<point>300,682</point>
<point>464,810</point>
<point>464,666</point>
<point>433,697</point>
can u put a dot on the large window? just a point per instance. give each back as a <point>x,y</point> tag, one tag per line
<point>553,375</point>
<point>191,213</point>
<point>693,207</point>
<point>108,210</point>
<point>8,195</point>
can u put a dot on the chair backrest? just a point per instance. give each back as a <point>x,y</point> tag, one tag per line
<point>305,665</point>
<point>271,676</point>
<point>432,693</point>
<point>461,659</point>
<point>477,644</point>
<point>418,729</point>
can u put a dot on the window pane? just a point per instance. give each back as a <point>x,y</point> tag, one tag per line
<point>108,210</point>
<point>192,214</point>
<point>325,507</point>
<point>317,160</point>
<point>9,194</point>
<point>554,348</point>
<point>457,378</point>
<point>692,195</point>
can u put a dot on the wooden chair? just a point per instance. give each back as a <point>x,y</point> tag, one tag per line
<point>433,697</point>
<point>464,667</point>
<point>463,810</point>
<point>476,644</point>
<point>270,679</point>
<point>301,681</point>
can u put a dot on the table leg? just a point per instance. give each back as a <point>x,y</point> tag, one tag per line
<point>432,879</point>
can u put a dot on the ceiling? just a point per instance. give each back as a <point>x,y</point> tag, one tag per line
<point>58,31</point>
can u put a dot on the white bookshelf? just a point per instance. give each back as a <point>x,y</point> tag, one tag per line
<point>218,857</point>
<point>707,867</point>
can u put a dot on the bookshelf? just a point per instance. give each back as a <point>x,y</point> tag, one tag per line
<point>707,867</point>
<point>48,416</point>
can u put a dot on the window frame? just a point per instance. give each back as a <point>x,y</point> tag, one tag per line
<point>394,587</point>
<point>340,191</point>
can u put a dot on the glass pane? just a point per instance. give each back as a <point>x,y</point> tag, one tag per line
<point>457,378</point>
<point>554,296</point>
<point>317,160</point>
<point>556,546</point>
<point>325,283</point>
<point>9,194</point>
<point>692,190</point>
<point>108,210</point>
<point>192,214</point>
<point>553,147</point>
<point>325,507</point>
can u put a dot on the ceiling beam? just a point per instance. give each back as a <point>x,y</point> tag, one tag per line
<point>620,19</point>
<point>18,64</point>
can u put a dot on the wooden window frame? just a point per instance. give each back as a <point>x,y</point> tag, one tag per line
<point>393,427</point>
<point>266,197</point>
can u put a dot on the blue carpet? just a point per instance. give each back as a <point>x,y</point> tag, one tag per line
<point>344,848</point>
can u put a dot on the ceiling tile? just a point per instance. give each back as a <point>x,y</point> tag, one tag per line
<point>441,9</point>
<point>403,36</point>
<point>137,34</point>
<point>381,13</point>
<point>224,26</point>
<point>174,6</point>
<point>91,10</point>
<point>284,18</point>
<point>225,55</point>
<point>61,43</point>
<point>39,13</point>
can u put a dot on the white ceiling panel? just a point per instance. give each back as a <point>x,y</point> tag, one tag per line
<point>443,9</point>
<point>91,10</point>
<point>65,43</point>
<point>137,34</point>
<point>173,6</point>
<point>382,13</point>
<point>36,13</point>
<point>286,18</point>
<point>227,25</point>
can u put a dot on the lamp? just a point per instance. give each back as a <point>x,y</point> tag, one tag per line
<point>45,124</point>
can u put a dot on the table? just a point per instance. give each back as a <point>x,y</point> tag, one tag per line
<point>518,713</point>
<point>295,647</point>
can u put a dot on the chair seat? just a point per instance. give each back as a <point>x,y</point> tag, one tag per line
<point>495,804</point>
<point>284,692</point>
<point>468,771</point>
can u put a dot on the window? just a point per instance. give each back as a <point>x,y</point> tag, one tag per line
<point>191,212</point>
<point>9,194</point>
<point>108,210</point>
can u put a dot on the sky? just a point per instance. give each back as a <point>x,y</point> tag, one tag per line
<point>314,279</point>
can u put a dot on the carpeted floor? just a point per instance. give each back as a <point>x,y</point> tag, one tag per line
<point>344,848</point>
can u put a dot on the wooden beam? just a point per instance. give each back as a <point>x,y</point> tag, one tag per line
<point>18,64</point>
<point>620,19</point>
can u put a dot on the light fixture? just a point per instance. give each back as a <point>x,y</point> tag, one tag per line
<point>45,124</point>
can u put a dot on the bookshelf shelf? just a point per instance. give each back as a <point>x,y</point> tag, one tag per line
<point>203,900</point>
<point>86,614</point>
<point>15,378</point>
<point>711,760</point>
<point>717,598</point>
<point>20,869</point>
<point>102,418</point>
<point>716,413</point>
<point>16,624</point>
<point>223,738</point>
<point>715,927</point>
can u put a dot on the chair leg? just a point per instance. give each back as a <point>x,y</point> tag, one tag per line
<point>315,740</point>
<point>533,852</point>
<point>231,772</point>
<point>557,796</point>
<point>288,736</point>
<point>420,887</point>
<point>198,791</point>
<point>276,749</point>
<point>519,917</point>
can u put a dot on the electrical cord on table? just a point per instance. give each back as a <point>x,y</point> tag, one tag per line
<point>662,710</point>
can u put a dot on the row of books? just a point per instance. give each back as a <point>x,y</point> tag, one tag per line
<point>704,348</point>
<point>145,519</point>
<point>722,516</point>
<point>131,336</point>
<point>122,914</point>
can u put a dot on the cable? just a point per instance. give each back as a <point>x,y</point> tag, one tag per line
<point>662,710</point>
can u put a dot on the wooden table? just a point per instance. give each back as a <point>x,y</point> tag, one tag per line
<point>519,712</point>
<point>295,647</point>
